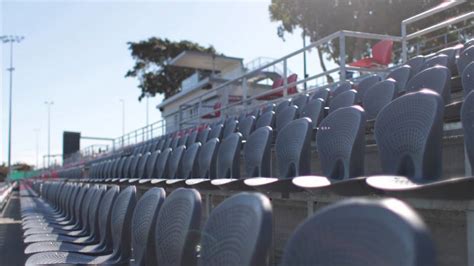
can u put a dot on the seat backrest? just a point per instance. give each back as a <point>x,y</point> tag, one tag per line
<point>174,162</point>
<point>142,173</point>
<point>451,53</point>
<point>378,96</point>
<point>216,131</point>
<point>323,94</point>
<point>293,148</point>
<point>230,127</point>
<point>161,165</point>
<point>465,58</point>
<point>282,105</point>
<point>342,87</point>
<point>467,119</point>
<point>341,143</point>
<point>286,116</point>
<point>189,164</point>
<point>300,101</point>
<point>177,228</point>
<point>207,159</point>
<point>365,84</point>
<point>80,203</point>
<point>183,140</point>
<point>382,52</point>
<point>266,108</point>
<point>266,119</point>
<point>192,138</point>
<point>401,75</point>
<point>105,216</point>
<point>167,143</point>
<point>174,142</point>
<point>150,166</point>
<point>360,232</point>
<point>437,78</point>
<point>121,221</point>
<point>133,171</point>
<point>247,126</point>
<point>126,167</point>
<point>291,79</point>
<point>416,63</point>
<point>228,157</point>
<point>257,154</point>
<point>93,215</point>
<point>119,171</point>
<point>159,144</point>
<point>278,83</point>
<point>314,110</point>
<point>143,226</point>
<point>437,60</point>
<point>468,79</point>
<point>408,132</point>
<point>238,232</point>
<point>344,99</point>
<point>84,214</point>
<point>203,135</point>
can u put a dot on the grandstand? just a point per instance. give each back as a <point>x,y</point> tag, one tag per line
<point>374,169</point>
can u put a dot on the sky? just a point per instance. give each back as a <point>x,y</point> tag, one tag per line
<point>75,54</point>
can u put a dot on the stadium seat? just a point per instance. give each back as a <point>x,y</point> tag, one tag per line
<point>230,126</point>
<point>192,137</point>
<point>341,146</point>
<point>344,99</point>
<point>216,131</point>
<point>266,119</point>
<point>437,78</point>
<point>174,162</point>
<point>282,105</point>
<point>207,165</point>
<point>322,94</point>
<point>203,135</point>
<point>161,167</point>
<point>381,56</point>
<point>143,226</point>
<point>293,155</point>
<point>401,75</point>
<point>228,162</point>
<point>99,218</point>
<point>314,110</point>
<point>409,134</point>
<point>468,79</point>
<point>451,53</point>
<point>247,126</point>
<point>378,96</point>
<point>365,84</point>
<point>416,63</point>
<point>238,232</point>
<point>300,101</point>
<point>266,108</point>
<point>342,87</point>
<point>465,58</point>
<point>142,167</point>
<point>285,116</point>
<point>437,60</point>
<point>177,229</point>
<point>257,153</point>
<point>361,232</point>
<point>122,211</point>
<point>189,165</point>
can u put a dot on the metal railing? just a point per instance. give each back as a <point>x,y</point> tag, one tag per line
<point>247,102</point>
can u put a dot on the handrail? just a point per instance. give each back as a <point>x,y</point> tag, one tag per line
<point>440,25</point>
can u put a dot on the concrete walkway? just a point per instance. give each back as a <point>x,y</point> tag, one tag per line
<point>11,242</point>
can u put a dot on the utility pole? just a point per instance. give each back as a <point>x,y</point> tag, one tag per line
<point>10,39</point>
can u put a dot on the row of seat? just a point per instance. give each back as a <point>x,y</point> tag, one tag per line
<point>75,223</point>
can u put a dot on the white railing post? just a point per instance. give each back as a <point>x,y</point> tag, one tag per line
<point>342,56</point>
<point>404,43</point>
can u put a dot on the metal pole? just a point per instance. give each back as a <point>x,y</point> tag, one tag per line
<point>11,69</point>
<point>342,54</point>
<point>404,43</point>
<point>304,60</point>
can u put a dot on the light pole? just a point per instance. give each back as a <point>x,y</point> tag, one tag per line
<point>37,131</point>
<point>10,39</point>
<point>49,104</point>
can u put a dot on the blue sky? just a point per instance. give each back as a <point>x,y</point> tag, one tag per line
<point>75,54</point>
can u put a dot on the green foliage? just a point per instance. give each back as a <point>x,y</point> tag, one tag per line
<point>151,69</point>
<point>321,18</point>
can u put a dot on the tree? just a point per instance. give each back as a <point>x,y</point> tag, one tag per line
<point>321,18</point>
<point>151,65</point>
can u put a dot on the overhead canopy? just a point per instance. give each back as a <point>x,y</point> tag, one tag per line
<point>205,61</point>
